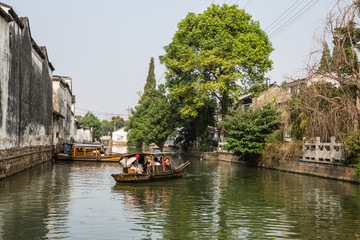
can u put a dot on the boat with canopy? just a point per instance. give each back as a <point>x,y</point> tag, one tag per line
<point>144,167</point>
<point>89,152</point>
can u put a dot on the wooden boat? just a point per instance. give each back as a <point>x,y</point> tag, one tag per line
<point>150,171</point>
<point>89,152</point>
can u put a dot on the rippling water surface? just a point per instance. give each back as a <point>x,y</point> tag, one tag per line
<point>215,200</point>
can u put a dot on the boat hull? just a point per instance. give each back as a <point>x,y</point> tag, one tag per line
<point>145,177</point>
<point>114,158</point>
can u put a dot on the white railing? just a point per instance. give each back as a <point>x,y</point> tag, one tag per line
<point>322,152</point>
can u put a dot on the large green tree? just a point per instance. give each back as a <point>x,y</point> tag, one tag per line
<point>90,120</point>
<point>217,55</point>
<point>150,120</point>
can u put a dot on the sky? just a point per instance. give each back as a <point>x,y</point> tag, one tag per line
<point>105,46</point>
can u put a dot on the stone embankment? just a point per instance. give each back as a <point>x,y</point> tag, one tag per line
<point>314,168</point>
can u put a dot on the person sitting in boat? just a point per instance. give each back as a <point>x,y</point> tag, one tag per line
<point>66,148</point>
<point>140,167</point>
<point>148,167</point>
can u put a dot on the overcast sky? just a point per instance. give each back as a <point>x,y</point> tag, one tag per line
<point>105,46</point>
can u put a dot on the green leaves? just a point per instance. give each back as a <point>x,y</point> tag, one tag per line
<point>150,120</point>
<point>216,55</point>
<point>248,130</point>
<point>90,120</point>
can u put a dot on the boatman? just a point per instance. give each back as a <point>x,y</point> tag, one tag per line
<point>157,150</point>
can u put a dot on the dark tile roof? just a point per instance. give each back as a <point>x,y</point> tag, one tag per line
<point>37,49</point>
<point>16,18</point>
<point>5,15</point>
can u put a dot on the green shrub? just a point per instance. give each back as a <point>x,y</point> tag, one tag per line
<point>276,136</point>
<point>351,148</point>
<point>247,131</point>
<point>357,170</point>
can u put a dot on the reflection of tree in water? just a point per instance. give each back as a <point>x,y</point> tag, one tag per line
<point>224,201</point>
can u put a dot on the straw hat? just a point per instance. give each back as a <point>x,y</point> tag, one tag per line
<point>156,146</point>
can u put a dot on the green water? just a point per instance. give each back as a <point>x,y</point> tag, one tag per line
<point>215,200</point>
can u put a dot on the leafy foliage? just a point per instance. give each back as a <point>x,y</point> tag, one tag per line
<point>150,80</point>
<point>216,55</point>
<point>150,120</point>
<point>351,148</point>
<point>107,127</point>
<point>90,120</point>
<point>192,128</point>
<point>325,61</point>
<point>248,130</point>
<point>357,170</point>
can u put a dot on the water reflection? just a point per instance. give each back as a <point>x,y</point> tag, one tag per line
<point>215,200</point>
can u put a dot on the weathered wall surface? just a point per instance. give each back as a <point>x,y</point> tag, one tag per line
<point>277,93</point>
<point>26,95</point>
<point>63,115</point>
<point>335,171</point>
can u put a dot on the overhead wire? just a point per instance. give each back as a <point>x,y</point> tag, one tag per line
<point>277,21</point>
<point>247,4</point>
<point>295,17</point>
<point>100,113</point>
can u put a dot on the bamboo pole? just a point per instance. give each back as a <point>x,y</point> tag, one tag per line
<point>163,162</point>
<point>153,163</point>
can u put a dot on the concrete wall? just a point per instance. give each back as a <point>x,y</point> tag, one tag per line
<point>79,137</point>
<point>88,136</point>
<point>26,94</point>
<point>279,94</point>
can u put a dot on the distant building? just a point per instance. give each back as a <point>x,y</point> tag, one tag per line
<point>119,137</point>
<point>63,111</point>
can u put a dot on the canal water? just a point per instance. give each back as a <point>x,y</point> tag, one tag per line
<point>215,200</point>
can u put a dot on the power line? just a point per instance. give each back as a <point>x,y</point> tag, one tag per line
<point>247,4</point>
<point>286,11</point>
<point>100,113</point>
<point>295,17</point>
<point>161,76</point>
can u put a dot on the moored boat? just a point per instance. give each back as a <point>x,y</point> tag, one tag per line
<point>89,152</point>
<point>144,167</point>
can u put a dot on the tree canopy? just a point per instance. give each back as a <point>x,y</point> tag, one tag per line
<point>217,54</point>
<point>90,120</point>
<point>150,80</point>
<point>116,123</point>
<point>150,120</point>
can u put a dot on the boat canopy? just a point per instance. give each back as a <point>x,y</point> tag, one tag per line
<point>87,145</point>
<point>148,154</point>
<point>129,161</point>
